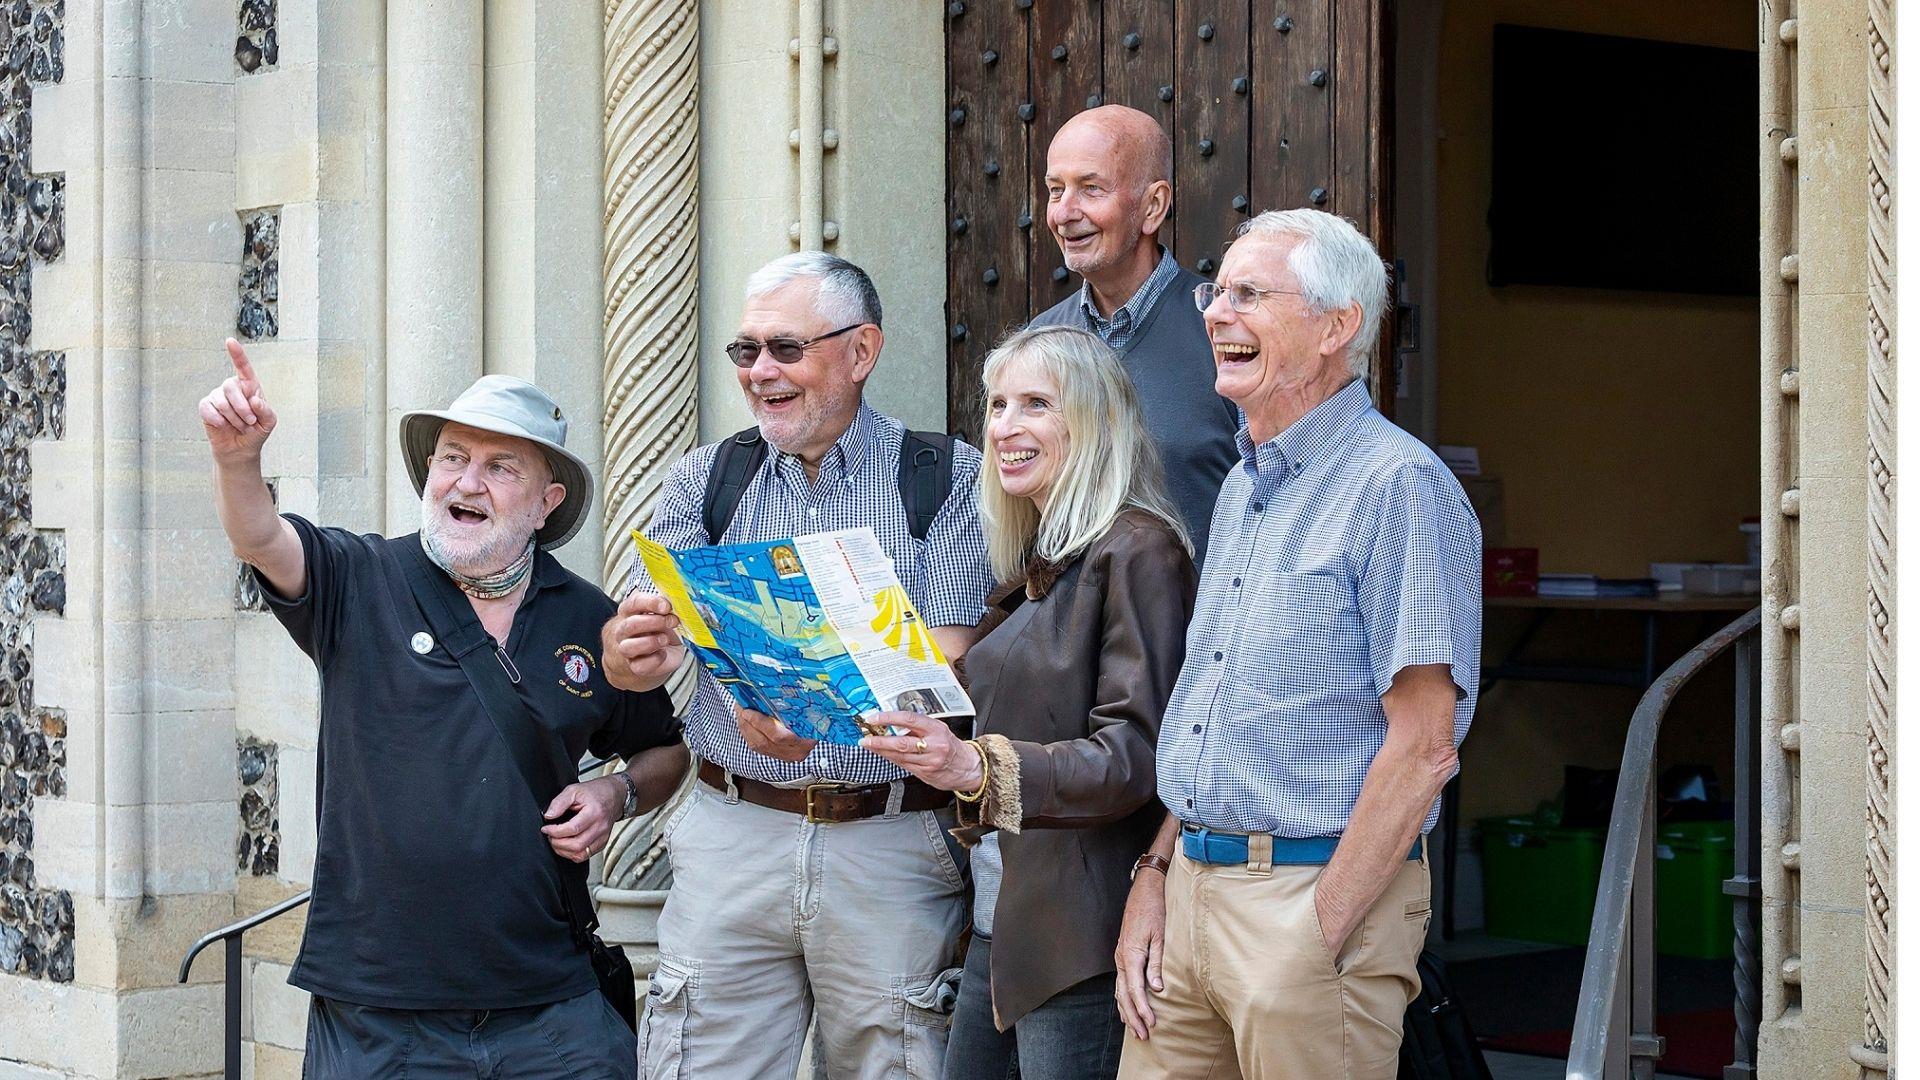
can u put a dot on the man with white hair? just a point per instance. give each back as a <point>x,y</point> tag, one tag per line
<point>444,939</point>
<point>1332,665</point>
<point>810,882</point>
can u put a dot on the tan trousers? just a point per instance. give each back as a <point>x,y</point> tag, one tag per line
<point>1251,992</point>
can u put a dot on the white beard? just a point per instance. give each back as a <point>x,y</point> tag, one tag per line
<point>489,553</point>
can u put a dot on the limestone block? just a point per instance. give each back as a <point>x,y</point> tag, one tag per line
<point>288,376</point>
<point>1833,386</point>
<point>169,1032</point>
<point>300,299</point>
<point>63,491</point>
<point>354,305</point>
<point>299,495</point>
<point>193,127</point>
<point>65,302</point>
<point>63,126</point>
<point>188,302</point>
<point>64,674</point>
<point>279,1009</point>
<point>190,665</point>
<point>59,1026</point>
<point>276,138</point>
<point>14,1070</point>
<point>139,942</point>
<point>122,293</point>
<point>347,423</point>
<point>298,831</point>
<point>190,847</point>
<point>1833,590</point>
<point>277,940</point>
<point>193,575</point>
<point>1833,696</point>
<point>276,692</point>
<point>1815,1053</point>
<point>1833,956</point>
<point>1832,55</point>
<point>270,1062</point>
<point>189,40</point>
<point>64,851</point>
<point>191,758</point>
<point>1832,226</point>
<point>351,123</point>
<point>1833,858</point>
<point>191,217</point>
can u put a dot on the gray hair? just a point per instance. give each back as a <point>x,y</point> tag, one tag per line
<point>1337,267</point>
<point>847,296</point>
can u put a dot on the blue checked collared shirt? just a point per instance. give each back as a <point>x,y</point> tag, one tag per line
<point>858,483</point>
<point>1117,331</point>
<point>1342,551</point>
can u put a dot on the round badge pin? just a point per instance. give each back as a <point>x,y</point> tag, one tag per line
<point>423,643</point>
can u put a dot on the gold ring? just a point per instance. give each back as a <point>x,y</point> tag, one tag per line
<point>919,746</point>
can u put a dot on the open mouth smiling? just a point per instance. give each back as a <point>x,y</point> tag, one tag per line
<point>465,514</point>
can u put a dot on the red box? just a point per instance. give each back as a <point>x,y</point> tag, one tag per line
<point>1510,572</point>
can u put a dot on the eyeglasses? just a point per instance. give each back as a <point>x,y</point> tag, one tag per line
<point>1241,296</point>
<point>745,352</point>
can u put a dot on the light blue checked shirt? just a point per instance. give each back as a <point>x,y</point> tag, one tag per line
<point>1117,331</point>
<point>946,576</point>
<point>1342,552</point>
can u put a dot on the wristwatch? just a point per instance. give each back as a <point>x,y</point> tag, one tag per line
<point>633,796</point>
<point>1150,861</point>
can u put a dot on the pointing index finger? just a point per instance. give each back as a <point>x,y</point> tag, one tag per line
<point>243,367</point>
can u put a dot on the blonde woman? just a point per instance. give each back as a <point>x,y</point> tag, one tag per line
<point>1079,651</point>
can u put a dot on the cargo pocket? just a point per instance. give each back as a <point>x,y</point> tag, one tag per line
<point>926,1008</point>
<point>663,1028</point>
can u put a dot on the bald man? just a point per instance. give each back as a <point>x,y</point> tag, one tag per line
<point>1109,190</point>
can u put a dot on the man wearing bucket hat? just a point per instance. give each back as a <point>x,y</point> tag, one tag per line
<point>439,938</point>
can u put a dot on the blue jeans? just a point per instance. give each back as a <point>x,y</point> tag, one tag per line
<point>1074,1035</point>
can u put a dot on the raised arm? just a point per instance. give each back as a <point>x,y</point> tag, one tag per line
<point>238,421</point>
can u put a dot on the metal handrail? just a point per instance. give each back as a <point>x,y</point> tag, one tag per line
<point>233,933</point>
<point>1626,877</point>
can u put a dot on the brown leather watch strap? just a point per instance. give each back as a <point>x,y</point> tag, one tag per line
<point>1150,861</point>
<point>828,802</point>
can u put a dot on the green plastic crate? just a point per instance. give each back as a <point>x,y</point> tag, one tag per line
<point>1540,879</point>
<point>1691,860</point>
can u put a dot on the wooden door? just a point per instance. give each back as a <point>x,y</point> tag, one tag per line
<point>1269,103</point>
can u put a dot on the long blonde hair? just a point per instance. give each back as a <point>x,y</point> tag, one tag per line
<point>1111,463</point>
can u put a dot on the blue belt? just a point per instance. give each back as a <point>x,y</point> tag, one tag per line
<point>1204,845</point>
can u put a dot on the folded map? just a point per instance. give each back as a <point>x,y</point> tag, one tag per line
<point>815,630</point>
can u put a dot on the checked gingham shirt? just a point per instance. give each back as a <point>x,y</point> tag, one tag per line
<point>1342,552</point>
<point>1117,331</point>
<point>947,576</point>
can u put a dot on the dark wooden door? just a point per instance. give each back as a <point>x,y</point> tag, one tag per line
<point>1270,104</point>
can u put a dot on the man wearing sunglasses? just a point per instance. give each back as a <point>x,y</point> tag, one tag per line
<point>810,882</point>
<point>1109,190</point>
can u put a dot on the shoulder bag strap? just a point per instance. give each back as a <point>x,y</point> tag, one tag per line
<point>535,753</point>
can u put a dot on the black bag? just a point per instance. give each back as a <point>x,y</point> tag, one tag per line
<point>1436,1041</point>
<point>540,759</point>
<point>926,479</point>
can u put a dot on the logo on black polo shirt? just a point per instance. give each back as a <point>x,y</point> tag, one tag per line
<point>576,667</point>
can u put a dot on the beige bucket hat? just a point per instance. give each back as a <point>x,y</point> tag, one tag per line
<point>505,405</point>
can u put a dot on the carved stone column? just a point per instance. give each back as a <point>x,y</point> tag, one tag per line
<point>1872,1053</point>
<point>651,251</point>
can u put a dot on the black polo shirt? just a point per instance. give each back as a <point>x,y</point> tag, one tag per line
<point>433,887</point>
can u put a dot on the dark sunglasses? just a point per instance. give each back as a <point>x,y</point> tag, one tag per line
<point>744,352</point>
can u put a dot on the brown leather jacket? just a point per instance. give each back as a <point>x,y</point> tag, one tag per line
<point>1070,678</point>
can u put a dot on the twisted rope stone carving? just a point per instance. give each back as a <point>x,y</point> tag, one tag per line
<point>1880,533</point>
<point>652,314</point>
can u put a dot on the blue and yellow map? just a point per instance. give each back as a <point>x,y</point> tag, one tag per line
<point>752,616</point>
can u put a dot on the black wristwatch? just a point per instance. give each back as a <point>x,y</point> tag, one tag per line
<point>633,796</point>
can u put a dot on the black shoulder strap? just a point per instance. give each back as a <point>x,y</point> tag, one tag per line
<point>738,459</point>
<point>926,478</point>
<point>539,757</point>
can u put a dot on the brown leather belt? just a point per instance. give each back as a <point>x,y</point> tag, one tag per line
<point>828,802</point>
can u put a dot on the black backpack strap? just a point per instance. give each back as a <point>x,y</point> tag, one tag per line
<point>537,754</point>
<point>926,477</point>
<point>738,459</point>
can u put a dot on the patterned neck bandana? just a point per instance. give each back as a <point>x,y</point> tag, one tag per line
<point>487,586</point>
